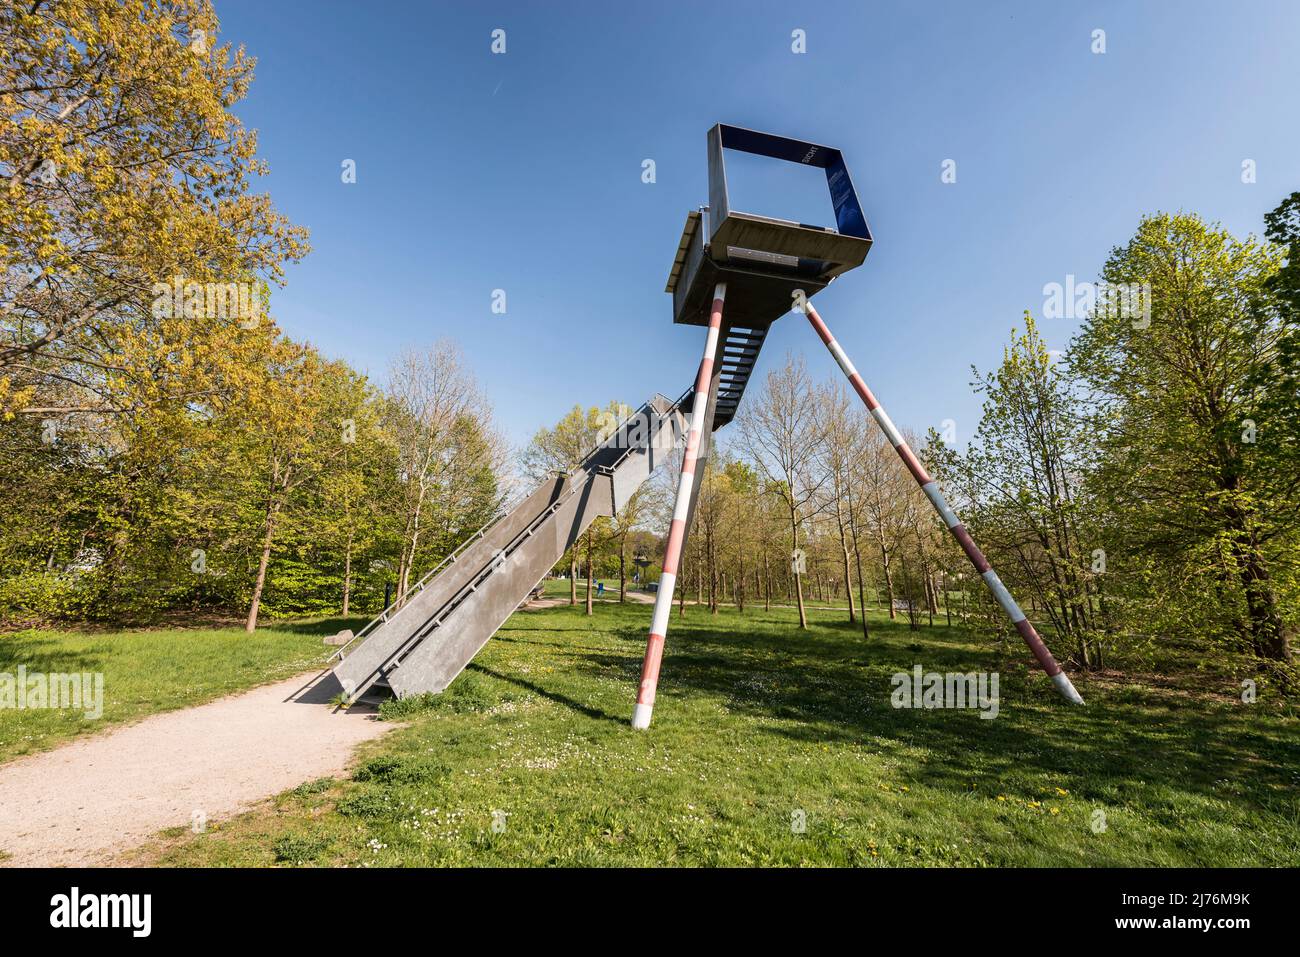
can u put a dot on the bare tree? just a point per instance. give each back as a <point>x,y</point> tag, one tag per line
<point>845,434</point>
<point>627,521</point>
<point>879,490</point>
<point>780,429</point>
<point>443,428</point>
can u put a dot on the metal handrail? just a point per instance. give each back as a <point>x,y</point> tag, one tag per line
<point>431,624</point>
<point>400,600</point>
<point>419,586</point>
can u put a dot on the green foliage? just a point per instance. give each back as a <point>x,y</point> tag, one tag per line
<point>42,596</point>
<point>394,770</point>
<point>1181,413</point>
<point>318,786</point>
<point>469,694</point>
<point>1282,226</point>
<point>160,459</point>
<point>299,849</point>
<point>367,804</point>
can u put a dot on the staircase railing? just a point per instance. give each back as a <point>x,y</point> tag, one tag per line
<point>431,624</point>
<point>402,600</point>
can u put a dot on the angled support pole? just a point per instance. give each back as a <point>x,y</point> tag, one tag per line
<point>697,442</point>
<point>931,489</point>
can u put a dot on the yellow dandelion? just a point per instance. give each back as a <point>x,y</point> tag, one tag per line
<point>1055,810</point>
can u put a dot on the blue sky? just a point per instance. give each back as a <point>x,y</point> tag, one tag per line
<point>479,171</point>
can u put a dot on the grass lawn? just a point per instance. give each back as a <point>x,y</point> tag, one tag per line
<point>759,726</point>
<point>148,671</point>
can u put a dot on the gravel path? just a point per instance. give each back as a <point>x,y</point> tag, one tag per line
<point>89,800</point>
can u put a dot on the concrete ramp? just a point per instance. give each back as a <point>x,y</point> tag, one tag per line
<point>453,611</point>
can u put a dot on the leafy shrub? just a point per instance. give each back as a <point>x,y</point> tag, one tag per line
<point>470,693</point>
<point>42,596</point>
<point>308,788</point>
<point>367,804</point>
<point>401,771</point>
<point>295,848</point>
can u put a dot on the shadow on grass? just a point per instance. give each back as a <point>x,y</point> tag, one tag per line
<point>321,626</point>
<point>564,700</point>
<point>556,645</point>
<point>46,655</point>
<point>829,684</point>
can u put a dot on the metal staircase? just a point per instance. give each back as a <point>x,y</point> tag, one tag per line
<point>450,613</point>
<point>740,348</point>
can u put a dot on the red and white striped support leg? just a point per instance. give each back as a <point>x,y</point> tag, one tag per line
<point>654,649</point>
<point>931,489</point>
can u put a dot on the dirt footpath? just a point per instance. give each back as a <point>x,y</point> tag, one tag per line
<point>87,801</point>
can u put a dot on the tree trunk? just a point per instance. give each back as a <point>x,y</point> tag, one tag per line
<point>767,582</point>
<point>889,578</point>
<point>929,593</point>
<point>272,510</point>
<point>862,595</point>
<point>573,575</point>
<point>717,578</point>
<point>1269,632</point>
<point>798,576</point>
<point>909,596</point>
<point>408,560</point>
<point>590,588</point>
<point>347,575</point>
<point>622,570</point>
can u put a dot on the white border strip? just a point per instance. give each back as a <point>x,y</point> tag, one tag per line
<point>886,423</point>
<point>1003,596</point>
<point>683,503</point>
<point>1066,687</point>
<point>641,715</point>
<point>931,489</point>
<point>842,357</point>
<point>663,604</point>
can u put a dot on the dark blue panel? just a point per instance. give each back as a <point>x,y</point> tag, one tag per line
<point>849,218</point>
<point>848,212</point>
<point>777,147</point>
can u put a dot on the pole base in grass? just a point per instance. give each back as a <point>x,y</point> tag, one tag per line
<point>641,716</point>
<point>1066,687</point>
